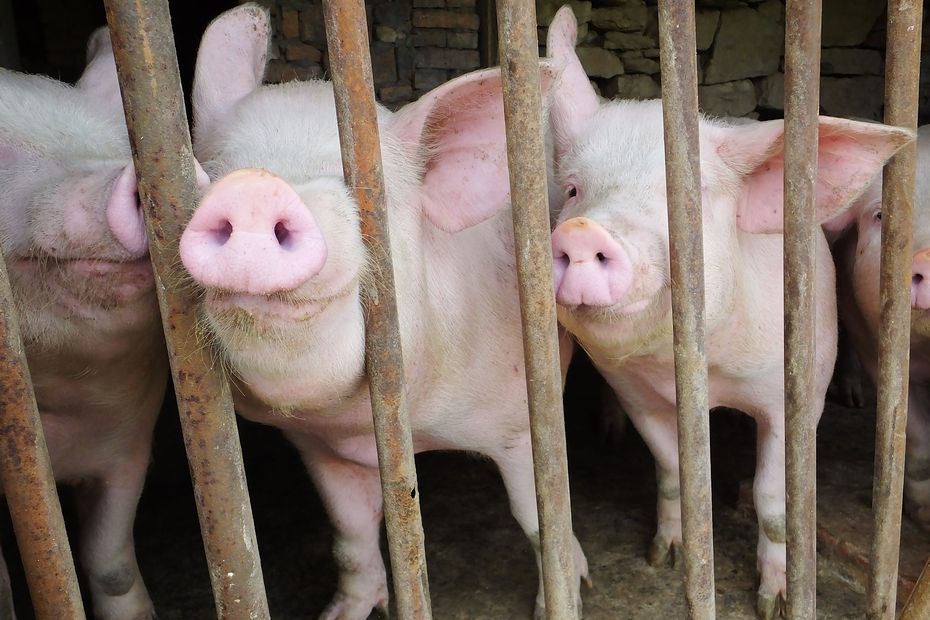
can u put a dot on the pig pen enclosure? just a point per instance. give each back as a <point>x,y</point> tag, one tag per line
<point>850,552</point>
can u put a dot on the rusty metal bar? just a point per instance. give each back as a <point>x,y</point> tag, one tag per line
<point>151,86</point>
<point>686,251</point>
<point>350,63</point>
<point>28,483</point>
<point>519,56</point>
<point>917,606</point>
<point>902,65</point>
<point>802,96</point>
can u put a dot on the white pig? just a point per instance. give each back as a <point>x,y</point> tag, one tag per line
<point>611,264</point>
<point>276,245</point>
<point>75,247</point>
<point>858,258</point>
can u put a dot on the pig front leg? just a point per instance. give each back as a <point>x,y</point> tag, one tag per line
<point>352,496</point>
<point>107,510</point>
<point>7,612</point>
<point>658,426</point>
<point>516,466</point>
<point>917,456</point>
<point>769,499</point>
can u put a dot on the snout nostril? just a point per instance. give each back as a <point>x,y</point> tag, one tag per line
<point>917,279</point>
<point>281,233</point>
<point>224,232</point>
<point>600,257</point>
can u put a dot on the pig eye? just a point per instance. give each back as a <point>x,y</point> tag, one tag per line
<point>571,191</point>
<point>878,216</point>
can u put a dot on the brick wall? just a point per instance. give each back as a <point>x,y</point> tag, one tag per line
<point>416,45</point>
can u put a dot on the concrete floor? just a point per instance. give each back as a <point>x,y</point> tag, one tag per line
<point>480,565</point>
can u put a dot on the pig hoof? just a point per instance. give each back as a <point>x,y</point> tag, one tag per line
<point>539,613</point>
<point>770,606</point>
<point>664,552</point>
<point>344,607</point>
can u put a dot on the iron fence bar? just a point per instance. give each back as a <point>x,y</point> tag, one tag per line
<point>143,44</point>
<point>802,97</point>
<point>350,64</point>
<point>28,483</point>
<point>902,69</point>
<point>917,606</point>
<point>519,59</point>
<point>686,251</point>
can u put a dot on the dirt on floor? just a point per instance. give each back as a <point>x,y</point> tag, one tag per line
<point>480,564</point>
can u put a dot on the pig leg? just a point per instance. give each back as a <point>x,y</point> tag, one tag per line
<point>769,500</point>
<point>352,496</point>
<point>658,427</point>
<point>107,509</point>
<point>516,467</point>
<point>917,457</point>
<point>7,612</point>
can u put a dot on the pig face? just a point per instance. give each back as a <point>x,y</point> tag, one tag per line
<point>865,221</point>
<point>610,248</point>
<point>276,241</point>
<point>70,225</point>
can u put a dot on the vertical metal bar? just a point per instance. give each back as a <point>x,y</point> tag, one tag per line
<point>519,55</point>
<point>686,251</point>
<point>148,74</point>
<point>902,63</point>
<point>802,97</point>
<point>26,476</point>
<point>917,606</point>
<point>350,63</point>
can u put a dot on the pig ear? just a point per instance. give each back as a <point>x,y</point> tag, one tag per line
<point>99,79</point>
<point>458,131</point>
<point>849,156</point>
<point>230,63</point>
<point>573,100</point>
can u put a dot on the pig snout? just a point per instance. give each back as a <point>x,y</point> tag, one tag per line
<point>252,234</point>
<point>124,210</point>
<point>589,267</point>
<point>920,280</point>
<point>124,213</point>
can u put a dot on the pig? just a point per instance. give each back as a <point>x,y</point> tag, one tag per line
<point>275,245</point>
<point>612,284</point>
<point>74,242</point>
<point>857,252</point>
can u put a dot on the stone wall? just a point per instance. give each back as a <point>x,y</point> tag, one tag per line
<point>418,44</point>
<point>740,47</point>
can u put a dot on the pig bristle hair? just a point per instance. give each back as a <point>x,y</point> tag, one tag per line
<point>36,110</point>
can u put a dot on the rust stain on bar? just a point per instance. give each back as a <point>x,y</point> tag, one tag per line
<point>918,603</point>
<point>902,64</point>
<point>802,97</point>
<point>347,39</point>
<point>686,251</point>
<point>533,248</point>
<point>27,480</point>
<point>151,86</point>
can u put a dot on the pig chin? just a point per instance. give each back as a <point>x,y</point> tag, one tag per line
<point>83,287</point>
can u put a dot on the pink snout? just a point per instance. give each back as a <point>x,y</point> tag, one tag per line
<point>589,267</point>
<point>124,211</point>
<point>920,280</point>
<point>252,234</point>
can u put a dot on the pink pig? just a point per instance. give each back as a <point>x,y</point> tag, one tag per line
<point>858,258</point>
<point>610,250</point>
<point>75,247</point>
<point>276,245</point>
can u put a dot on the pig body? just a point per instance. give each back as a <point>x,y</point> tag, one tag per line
<point>858,255</point>
<point>612,279</point>
<point>74,243</point>
<point>289,314</point>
